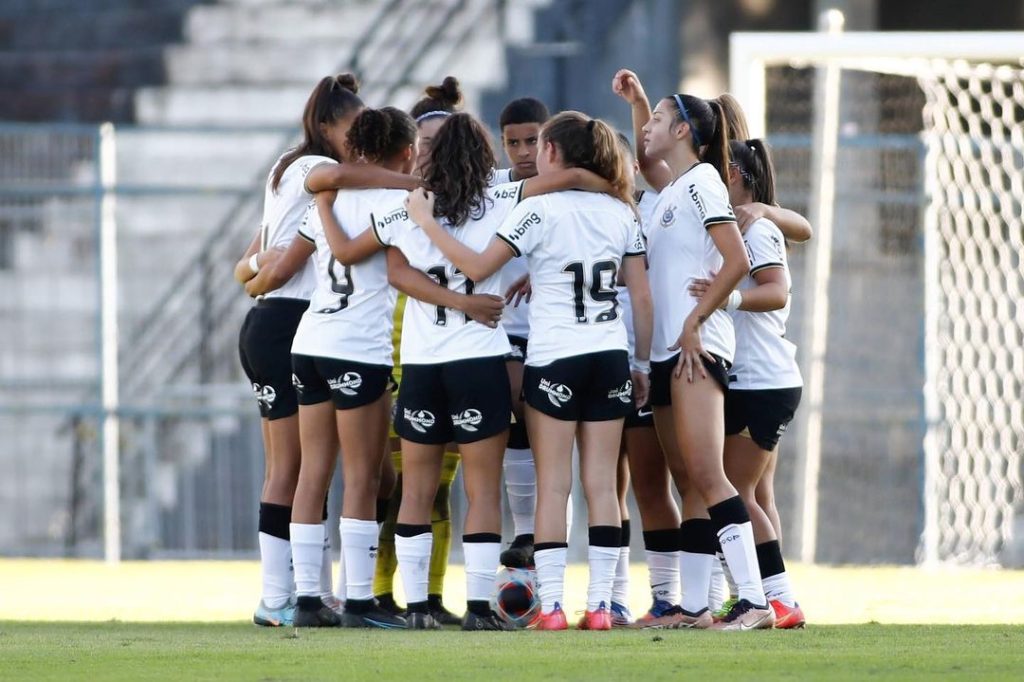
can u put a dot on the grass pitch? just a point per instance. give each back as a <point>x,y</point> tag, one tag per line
<point>189,620</point>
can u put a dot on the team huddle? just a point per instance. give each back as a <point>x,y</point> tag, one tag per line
<point>536,310</point>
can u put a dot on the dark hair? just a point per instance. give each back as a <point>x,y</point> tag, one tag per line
<point>379,134</point>
<point>709,129</point>
<point>445,97</point>
<point>523,110</point>
<point>754,161</point>
<point>461,163</point>
<point>333,98</point>
<point>592,144</point>
<point>734,115</point>
<point>626,145</point>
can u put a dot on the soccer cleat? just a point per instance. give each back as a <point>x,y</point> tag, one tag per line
<point>311,612</point>
<point>274,618</point>
<point>598,619</point>
<point>370,615</point>
<point>387,602</point>
<point>787,617</point>
<point>442,615</point>
<point>421,621</point>
<point>747,616</point>
<point>334,603</point>
<point>519,554</point>
<point>727,605</point>
<point>554,620</point>
<point>658,608</point>
<point>621,617</point>
<point>678,618</point>
<point>491,622</point>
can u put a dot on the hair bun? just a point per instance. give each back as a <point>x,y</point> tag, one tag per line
<point>448,91</point>
<point>348,81</point>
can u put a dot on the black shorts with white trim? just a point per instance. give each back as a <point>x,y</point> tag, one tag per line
<point>661,377</point>
<point>265,351</point>
<point>462,401</point>
<point>346,383</point>
<point>591,387</point>
<point>762,415</point>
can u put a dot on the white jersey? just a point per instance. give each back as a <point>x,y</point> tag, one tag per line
<point>283,212</point>
<point>351,314</point>
<point>765,359</point>
<point>432,334</point>
<point>500,176</point>
<point>645,207</point>
<point>679,249</point>
<point>574,243</point>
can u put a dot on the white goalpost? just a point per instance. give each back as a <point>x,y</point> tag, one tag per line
<point>964,95</point>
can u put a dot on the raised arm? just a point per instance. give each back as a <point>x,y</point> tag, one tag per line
<point>627,85</point>
<point>281,270</point>
<point>476,266</point>
<point>346,250</point>
<point>563,179</point>
<point>328,176</point>
<point>795,227</point>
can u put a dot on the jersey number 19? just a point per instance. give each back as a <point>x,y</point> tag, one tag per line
<point>600,292</point>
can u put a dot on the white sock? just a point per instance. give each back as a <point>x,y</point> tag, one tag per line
<point>719,589</point>
<point>276,567</point>
<point>737,542</point>
<point>695,570</point>
<point>307,557</point>
<point>482,561</point>
<point>568,518</point>
<point>326,566</point>
<point>730,583</point>
<point>778,587</point>
<point>663,568</point>
<point>602,561</point>
<point>521,486</point>
<point>359,554</point>
<point>620,587</point>
<point>550,576</point>
<point>340,585</point>
<point>414,564</point>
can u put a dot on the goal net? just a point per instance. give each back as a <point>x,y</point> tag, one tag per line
<point>906,151</point>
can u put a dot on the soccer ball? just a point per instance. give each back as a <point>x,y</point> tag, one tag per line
<point>515,599</point>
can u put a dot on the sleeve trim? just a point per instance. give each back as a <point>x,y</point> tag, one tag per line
<point>376,234</point>
<point>305,236</point>
<point>635,253</point>
<point>509,244</point>
<point>305,180</point>
<point>718,220</point>
<point>765,266</point>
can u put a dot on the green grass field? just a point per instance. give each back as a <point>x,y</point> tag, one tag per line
<point>188,620</point>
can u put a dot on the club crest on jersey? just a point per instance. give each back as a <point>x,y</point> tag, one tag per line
<point>265,395</point>
<point>669,216</point>
<point>558,394</point>
<point>468,419</point>
<point>624,392</point>
<point>421,420</point>
<point>348,383</point>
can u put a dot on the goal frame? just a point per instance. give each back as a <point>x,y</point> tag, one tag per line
<point>831,50</point>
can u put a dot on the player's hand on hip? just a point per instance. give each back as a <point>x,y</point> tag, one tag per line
<point>691,350</point>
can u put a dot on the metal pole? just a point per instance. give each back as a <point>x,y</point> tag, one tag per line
<point>108,336</point>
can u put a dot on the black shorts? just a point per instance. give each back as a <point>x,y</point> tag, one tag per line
<point>642,418</point>
<point>265,350</point>
<point>518,352</point>
<point>348,384</point>
<point>462,401</point>
<point>761,414</point>
<point>661,377</point>
<point>593,387</point>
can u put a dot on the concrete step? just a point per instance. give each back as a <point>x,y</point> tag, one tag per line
<point>230,105</point>
<point>265,63</point>
<point>47,70</point>
<point>297,24</point>
<point>84,29</point>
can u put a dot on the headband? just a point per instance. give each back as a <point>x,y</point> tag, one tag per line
<point>432,114</point>
<point>686,117</point>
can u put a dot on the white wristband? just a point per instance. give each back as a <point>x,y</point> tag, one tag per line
<point>734,301</point>
<point>641,366</point>
<point>254,262</point>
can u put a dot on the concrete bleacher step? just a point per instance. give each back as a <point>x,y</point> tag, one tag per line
<point>212,104</point>
<point>236,23</point>
<point>264,62</point>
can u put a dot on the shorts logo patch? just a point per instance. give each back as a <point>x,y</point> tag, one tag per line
<point>421,420</point>
<point>516,352</point>
<point>265,395</point>
<point>669,216</point>
<point>468,419</point>
<point>295,382</point>
<point>782,430</point>
<point>348,383</point>
<point>624,392</point>
<point>558,394</point>
<point>642,413</point>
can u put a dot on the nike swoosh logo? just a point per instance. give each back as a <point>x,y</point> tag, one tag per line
<point>641,413</point>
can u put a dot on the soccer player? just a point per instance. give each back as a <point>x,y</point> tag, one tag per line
<point>520,124</point>
<point>766,381</point>
<point>687,139</point>
<point>266,335</point>
<point>575,245</point>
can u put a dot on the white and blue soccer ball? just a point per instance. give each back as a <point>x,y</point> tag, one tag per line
<point>516,599</point>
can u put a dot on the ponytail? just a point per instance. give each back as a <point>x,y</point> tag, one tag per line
<point>753,160</point>
<point>733,113</point>
<point>709,130</point>
<point>438,100</point>
<point>717,151</point>
<point>333,98</point>
<point>380,134</point>
<point>591,144</point>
